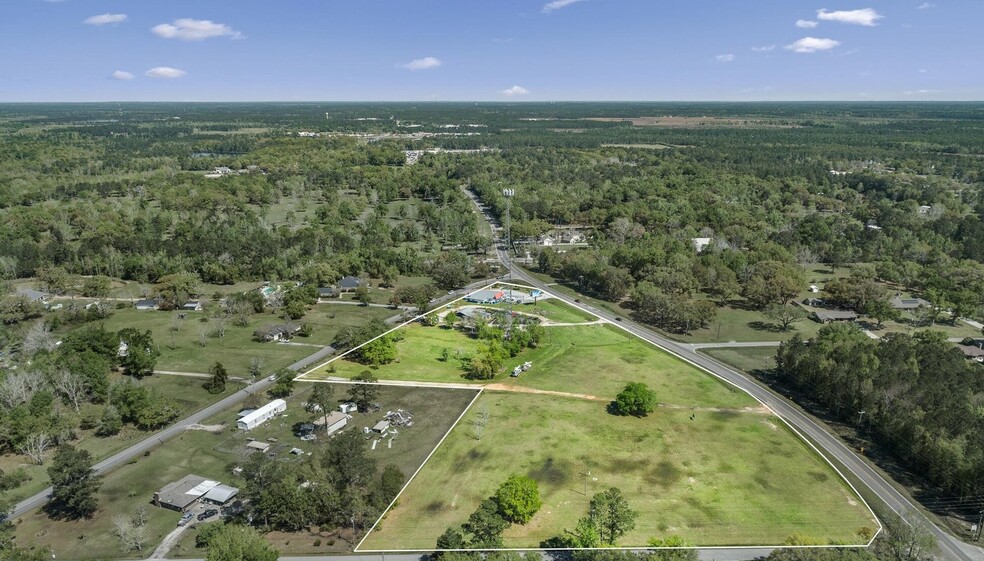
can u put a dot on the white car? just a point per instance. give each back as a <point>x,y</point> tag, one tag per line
<point>272,378</point>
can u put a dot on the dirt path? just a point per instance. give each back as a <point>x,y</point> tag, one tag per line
<point>168,542</point>
<point>521,389</point>
<point>758,409</point>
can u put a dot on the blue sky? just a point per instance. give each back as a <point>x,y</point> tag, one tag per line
<point>536,50</point>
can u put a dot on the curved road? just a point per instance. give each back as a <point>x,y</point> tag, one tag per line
<point>949,546</point>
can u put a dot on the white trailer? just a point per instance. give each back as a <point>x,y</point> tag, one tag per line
<point>262,415</point>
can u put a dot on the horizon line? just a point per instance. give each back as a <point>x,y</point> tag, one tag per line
<point>504,101</point>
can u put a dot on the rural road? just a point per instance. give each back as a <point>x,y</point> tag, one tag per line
<point>949,546</point>
<point>723,554</point>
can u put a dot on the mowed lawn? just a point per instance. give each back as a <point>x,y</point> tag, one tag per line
<point>418,357</point>
<point>553,310</point>
<point>726,477</point>
<point>748,359</point>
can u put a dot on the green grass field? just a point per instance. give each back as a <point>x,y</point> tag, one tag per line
<point>553,310</point>
<point>597,360</point>
<point>726,477</point>
<point>181,351</point>
<point>748,359</point>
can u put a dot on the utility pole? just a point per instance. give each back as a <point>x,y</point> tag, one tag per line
<point>508,194</point>
<point>860,416</point>
<point>980,523</point>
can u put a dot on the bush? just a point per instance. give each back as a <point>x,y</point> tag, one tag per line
<point>636,400</point>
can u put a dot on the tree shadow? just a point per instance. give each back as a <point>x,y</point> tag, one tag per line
<point>770,327</point>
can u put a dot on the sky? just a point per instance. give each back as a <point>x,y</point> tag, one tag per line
<point>489,50</point>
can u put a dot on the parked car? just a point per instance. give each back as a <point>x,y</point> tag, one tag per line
<point>207,514</point>
<point>185,518</point>
<point>618,318</point>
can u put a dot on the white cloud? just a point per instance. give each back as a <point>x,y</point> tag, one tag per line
<point>725,58</point>
<point>121,75</point>
<point>194,30</point>
<point>103,19</point>
<point>763,49</point>
<point>423,63</point>
<point>866,16</point>
<point>165,72</point>
<point>921,92</point>
<point>515,90</point>
<point>558,4</point>
<point>812,45</point>
<point>926,6</point>
<point>806,23</point>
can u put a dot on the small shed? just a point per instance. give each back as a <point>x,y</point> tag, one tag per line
<point>258,445</point>
<point>381,426</point>
<point>336,421</point>
<point>348,407</point>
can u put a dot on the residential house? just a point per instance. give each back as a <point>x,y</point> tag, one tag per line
<point>327,292</point>
<point>147,304</point>
<point>33,295</point>
<point>546,240</point>
<point>972,352</point>
<point>184,493</point>
<point>349,283</point>
<point>925,209</point>
<point>192,306</point>
<point>277,333</point>
<point>827,316</point>
<point>900,303</point>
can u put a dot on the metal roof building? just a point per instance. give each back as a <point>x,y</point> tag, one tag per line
<point>262,415</point>
<point>184,492</point>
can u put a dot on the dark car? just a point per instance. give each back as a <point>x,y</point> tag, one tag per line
<point>578,300</point>
<point>207,514</point>
<point>618,318</point>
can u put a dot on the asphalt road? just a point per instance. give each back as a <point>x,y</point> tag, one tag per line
<point>727,554</point>
<point>949,546</point>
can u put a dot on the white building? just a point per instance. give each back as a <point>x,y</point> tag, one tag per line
<point>262,415</point>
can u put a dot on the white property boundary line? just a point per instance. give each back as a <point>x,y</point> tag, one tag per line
<point>626,329</point>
